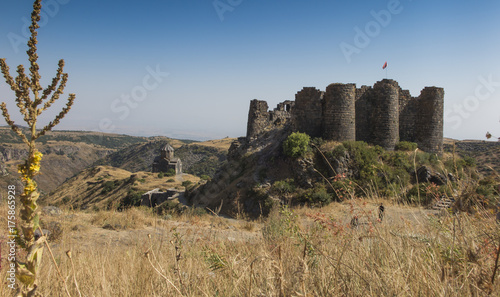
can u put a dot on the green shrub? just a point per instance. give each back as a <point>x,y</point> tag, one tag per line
<point>317,196</point>
<point>133,198</point>
<point>296,145</point>
<point>170,180</point>
<point>406,146</point>
<point>170,172</point>
<point>186,183</point>
<point>282,187</point>
<point>401,160</point>
<point>470,161</point>
<point>205,177</point>
<point>108,187</point>
<point>429,193</point>
<point>364,158</point>
<point>169,207</point>
<point>161,175</point>
<point>338,151</point>
<point>281,224</point>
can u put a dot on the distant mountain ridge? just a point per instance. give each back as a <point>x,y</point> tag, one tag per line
<point>107,140</point>
<point>67,153</point>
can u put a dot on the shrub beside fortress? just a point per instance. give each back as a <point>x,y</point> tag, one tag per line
<point>380,115</point>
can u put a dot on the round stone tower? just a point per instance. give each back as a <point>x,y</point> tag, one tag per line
<point>385,114</point>
<point>429,122</point>
<point>339,112</point>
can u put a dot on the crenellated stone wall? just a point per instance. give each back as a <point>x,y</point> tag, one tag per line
<point>382,115</point>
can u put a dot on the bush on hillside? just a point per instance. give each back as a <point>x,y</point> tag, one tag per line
<point>296,145</point>
<point>406,146</point>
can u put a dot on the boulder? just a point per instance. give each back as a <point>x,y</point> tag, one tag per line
<point>426,174</point>
<point>51,211</point>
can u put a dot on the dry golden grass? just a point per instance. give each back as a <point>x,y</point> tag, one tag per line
<point>87,187</point>
<point>223,143</point>
<point>299,252</point>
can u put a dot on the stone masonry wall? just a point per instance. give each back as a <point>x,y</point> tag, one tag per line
<point>258,118</point>
<point>364,111</point>
<point>339,115</point>
<point>308,112</point>
<point>382,115</point>
<point>429,122</point>
<point>385,114</point>
<point>261,120</point>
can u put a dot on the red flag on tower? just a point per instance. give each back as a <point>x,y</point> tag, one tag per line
<point>385,65</point>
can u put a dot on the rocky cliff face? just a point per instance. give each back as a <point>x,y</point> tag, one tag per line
<point>252,168</point>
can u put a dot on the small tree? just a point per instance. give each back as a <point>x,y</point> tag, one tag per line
<point>29,98</point>
<point>296,144</point>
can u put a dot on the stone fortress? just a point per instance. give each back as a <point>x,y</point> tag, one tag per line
<point>380,115</point>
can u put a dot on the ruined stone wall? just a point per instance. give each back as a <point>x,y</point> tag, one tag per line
<point>258,118</point>
<point>282,113</point>
<point>339,113</point>
<point>308,112</point>
<point>261,120</point>
<point>385,114</point>
<point>429,121</point>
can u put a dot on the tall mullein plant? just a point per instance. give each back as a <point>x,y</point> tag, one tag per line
<point>32,100</point>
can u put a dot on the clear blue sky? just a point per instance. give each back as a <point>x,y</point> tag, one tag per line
<point>218,59</point>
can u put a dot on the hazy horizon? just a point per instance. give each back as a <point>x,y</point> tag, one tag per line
<point>188,69</point>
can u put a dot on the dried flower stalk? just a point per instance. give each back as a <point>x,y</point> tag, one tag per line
<point>32,100</point>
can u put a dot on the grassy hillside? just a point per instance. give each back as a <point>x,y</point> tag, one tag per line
<point>293,252</point>
<point>198,158</point>
<point>486,154</point>
<point>105,187</point>
<point>61,160</point>
<point>259,174</point>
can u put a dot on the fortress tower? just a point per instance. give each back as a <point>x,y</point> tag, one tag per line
<point>429,120</point>
<point>339,113</point>
<point>385,114</point>
<point>381,115</point>
<point>258,118</point>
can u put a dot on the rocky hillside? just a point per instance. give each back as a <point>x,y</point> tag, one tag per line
<point>105,187</point>
<point>198,158</point>
<point>66,153</point>
<point>486,154</point>
<point>258,174</point>
<point>61,160</point>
